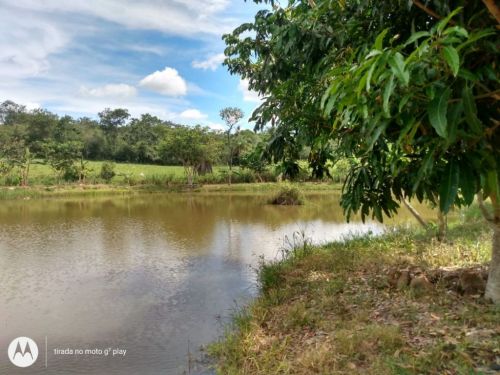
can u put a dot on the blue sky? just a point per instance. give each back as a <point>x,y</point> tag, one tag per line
<point>157,56</point>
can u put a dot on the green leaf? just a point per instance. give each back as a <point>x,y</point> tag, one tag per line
<point>380,40</point>
<point>471,110</point>
<point>449,186</point>
<point>373,52</point>
<point>456,30</point>
<point>491,185</point>
<point>416,36</point>
<point>467,184</point>
<point>454,118</point>
<point>450,54</point>
<point>475,36</point>
<point>442,24</point>
<point>376,134</point>
<point>437,111</point>
<point>467,74</point>
<point>369,75</point>
<point>389,88</point>
<point>403,102</point>
<point>397,64</point>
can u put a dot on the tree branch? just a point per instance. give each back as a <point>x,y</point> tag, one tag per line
<point>493,9</point>
<point>415,213</point>
<point>430,12</point>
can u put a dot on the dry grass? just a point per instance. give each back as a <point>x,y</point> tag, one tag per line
<point>332,310</point>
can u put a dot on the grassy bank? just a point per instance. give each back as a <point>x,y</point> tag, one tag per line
<point>342,309</point>
<point>133,174</point>
<point>132,178</point>
<point>90,190</point>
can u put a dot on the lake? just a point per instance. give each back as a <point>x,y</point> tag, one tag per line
<point>154,275</point>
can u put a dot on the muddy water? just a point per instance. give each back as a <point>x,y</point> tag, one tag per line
<point>134,285</point>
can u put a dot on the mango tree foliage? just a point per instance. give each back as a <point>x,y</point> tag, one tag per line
<point>408,91</point>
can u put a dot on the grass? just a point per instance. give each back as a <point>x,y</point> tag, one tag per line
<point>136,178</point>
<point>333,310</point>
<point>43,174</point>
<point>288,195</point>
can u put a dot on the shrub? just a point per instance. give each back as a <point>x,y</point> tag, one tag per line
<point>71,173</point>
<point>288,195</point>
<point>108,171</point>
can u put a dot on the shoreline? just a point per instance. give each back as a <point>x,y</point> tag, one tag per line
<point>371,305</point>
<point>94,190</point>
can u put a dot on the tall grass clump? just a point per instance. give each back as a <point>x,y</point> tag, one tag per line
<point>287,195</point>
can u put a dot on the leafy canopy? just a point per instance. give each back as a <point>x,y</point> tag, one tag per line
<point>408,93</point>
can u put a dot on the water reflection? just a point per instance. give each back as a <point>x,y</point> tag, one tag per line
<point>149,274</point>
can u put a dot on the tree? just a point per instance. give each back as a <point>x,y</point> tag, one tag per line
<point>16,155</point>
<point>190,146</point>
<point>40,128</point>
<point>408,91</point>
<point>12,113</point>
<point>63,156</point>
<point>141,136</point>
<point>231,116</point>
<point>111,120</point>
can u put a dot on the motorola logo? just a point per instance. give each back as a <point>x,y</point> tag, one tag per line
<point>23,351</point>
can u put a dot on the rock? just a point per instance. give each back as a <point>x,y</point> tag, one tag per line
<point>403,280</point>
<point>472,282</point>
<point>420,283</point>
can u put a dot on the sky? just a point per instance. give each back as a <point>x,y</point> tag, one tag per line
<point>161,57</point>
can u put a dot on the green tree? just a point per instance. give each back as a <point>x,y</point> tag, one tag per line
<point>190,146</point>
<point>12,113</point>
<point>40,128</point>
<point>111,120</point>
<point>141,136</point>
<point>63,158</point>
<point>407,91</point>
<point>16,155</point>
<point>231,116</point>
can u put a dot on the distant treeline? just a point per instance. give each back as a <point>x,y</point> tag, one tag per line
<point>66,143</point>
<point>114,136</point>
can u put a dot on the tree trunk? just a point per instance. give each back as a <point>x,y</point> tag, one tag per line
<point>230,160</point>
<point>415,214</point>
<point>442,225</point>
<point>493,284</point>
<point>493,9</point>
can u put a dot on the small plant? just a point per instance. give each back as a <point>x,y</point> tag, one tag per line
<point>108,171</point>
<point>288,195</point>
<point>71,173</point>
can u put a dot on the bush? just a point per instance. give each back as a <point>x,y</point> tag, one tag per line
<point>108,171</point>
<point>288,195</point>
<point>71,173</point>
<point>12,180</point>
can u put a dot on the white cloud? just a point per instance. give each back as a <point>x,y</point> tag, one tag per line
<point>248,95</point>
<point>31,105</point>
<point>212,63</point>
<point>25,45</point>
<point>193,114</point>
<point>167,82</point>
<point>216,126</point>
<point>120,90</point>
<point>179,17</point>
<point>152,49</point>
